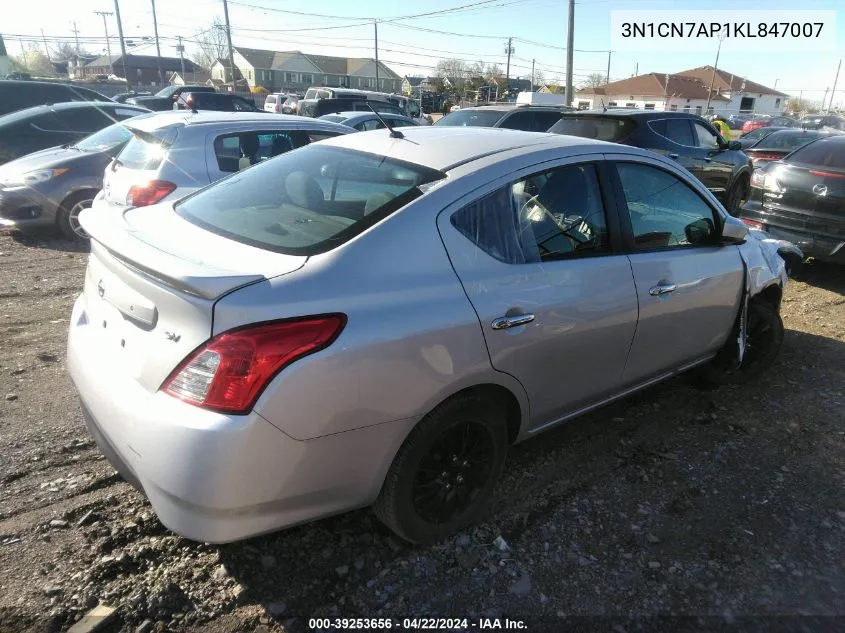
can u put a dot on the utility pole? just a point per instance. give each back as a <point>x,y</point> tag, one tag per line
<point>609,53</point>
<point>570,53</point>
<point>158,48</point>
<point>833,92</point>
<point>508,50</point>
<point>76,37</point>
<point>181,50</point>
<point>776,83</point>
<point>713,76</point>
<point>532,74</point>
<point>46,49</point>
<point>229,42</point>
<point>375,27</point>
<point>108,46</point>
<point>636,68</point>
<point>824,98</point>
<point>122,43</point>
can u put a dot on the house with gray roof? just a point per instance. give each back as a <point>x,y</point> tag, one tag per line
<point>295,71</point>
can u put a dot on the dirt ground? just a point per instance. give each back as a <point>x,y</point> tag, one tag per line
<point>726,505</point>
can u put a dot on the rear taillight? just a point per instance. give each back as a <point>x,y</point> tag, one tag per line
<point>826,174</point>
<point>230,371</point>
<point>764,156</point>
<point>149,193</point>
<point>755,225</point>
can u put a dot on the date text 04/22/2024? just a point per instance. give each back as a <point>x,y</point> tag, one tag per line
<point>415,624</point>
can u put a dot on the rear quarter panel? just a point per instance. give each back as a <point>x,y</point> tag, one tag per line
<point>411,341</point>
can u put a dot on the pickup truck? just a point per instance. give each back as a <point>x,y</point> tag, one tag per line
<point>164,99</point>
<point>218,101</point>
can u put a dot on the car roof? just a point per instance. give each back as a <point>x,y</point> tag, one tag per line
<point>24,113</point>
<point>623,112</point>
<point>445,147</point>
<point>206,117</point>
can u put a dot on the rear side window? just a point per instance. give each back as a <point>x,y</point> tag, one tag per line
<point>822,153</point>
<point>270,99</point>
<point>600,128</point>
<point>146,150</point>
<point>306,202</point>
<point>680,132</point>
<point>254,147</point>
<point>552,215</point>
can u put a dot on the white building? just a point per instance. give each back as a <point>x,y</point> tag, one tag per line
<point>685,92</point>
<point>743,94</point>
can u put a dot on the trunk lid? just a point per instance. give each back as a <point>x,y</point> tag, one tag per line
<point>812,198</point>
<point>152,283</point>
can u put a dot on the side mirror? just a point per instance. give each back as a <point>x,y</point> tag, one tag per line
<point>734,145</point>
<point>734,231</point>
<point>700,232</point>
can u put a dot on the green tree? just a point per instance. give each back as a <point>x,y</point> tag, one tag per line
<point>35,62</point>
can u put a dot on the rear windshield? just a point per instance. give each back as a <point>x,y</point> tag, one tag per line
<point>786,140</point>
<point>307,201</point>
<point>472,118</point>
<point>595,127</point>
<point>146,150</point>
<point>821,153</point>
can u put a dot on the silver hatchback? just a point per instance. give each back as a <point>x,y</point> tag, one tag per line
<point>374,319</point>
<point>174,153</point>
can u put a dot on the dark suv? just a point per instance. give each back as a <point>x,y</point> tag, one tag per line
<point>686,138</point>
<point>17,95</point>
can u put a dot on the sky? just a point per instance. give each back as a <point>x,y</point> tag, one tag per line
<point>415,45</point>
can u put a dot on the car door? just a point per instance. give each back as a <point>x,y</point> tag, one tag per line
<point>687,283</point>
<point>679,143</point>
<point>717,162</point>
<point>556,304</point>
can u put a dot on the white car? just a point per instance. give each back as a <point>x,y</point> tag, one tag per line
<point>175,153</point>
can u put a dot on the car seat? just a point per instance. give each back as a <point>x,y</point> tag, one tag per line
<point>249,150</point>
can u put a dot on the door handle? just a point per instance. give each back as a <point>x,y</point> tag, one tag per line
<point>662,289</point>
<point>505,322</point>
<point>673,156</point>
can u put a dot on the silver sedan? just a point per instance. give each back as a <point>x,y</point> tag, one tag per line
<point>375,319</point>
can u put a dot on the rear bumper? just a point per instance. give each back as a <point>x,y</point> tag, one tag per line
<point>812,244</point>
<point>218,478</point>
<point>25,207</point>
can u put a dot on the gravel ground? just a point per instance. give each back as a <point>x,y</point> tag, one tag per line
<point>676,502</point>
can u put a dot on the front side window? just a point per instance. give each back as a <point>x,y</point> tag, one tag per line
<point>665,212</point>
<point>706,138</point>
<point>306,202</point>
<point>556,214</point>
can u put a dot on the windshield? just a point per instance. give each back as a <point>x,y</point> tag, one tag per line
<point>307,201</point>
<point>472,118</point>
<point>595,127</point>
<point>106,139</point>
<point>786,140</point>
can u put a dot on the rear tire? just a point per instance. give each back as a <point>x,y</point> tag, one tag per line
<point>763,344</point>
<point>67,219</point>
<point>444,474</point>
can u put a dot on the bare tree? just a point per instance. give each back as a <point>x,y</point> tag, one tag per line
<point>493,74</point>
<point>798,106</point>
<point>539,79</point>
<point>64,50</point>
<point>35,62</point>
<point>211,44</point>
<point>451,69</point>
<point>594,80</point>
